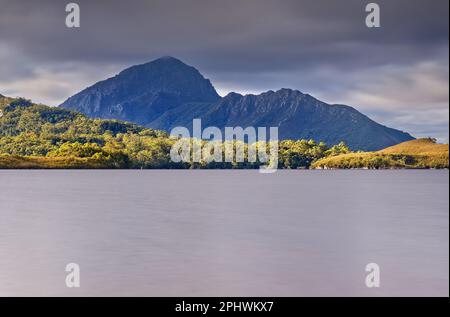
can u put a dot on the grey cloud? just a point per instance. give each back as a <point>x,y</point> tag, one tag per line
<point>317,46</point>
<point>241,34</point>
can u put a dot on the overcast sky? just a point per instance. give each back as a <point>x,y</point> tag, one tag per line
<point>397,74</point>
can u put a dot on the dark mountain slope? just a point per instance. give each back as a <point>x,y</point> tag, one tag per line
<point>298,116</point>
<point>142,93</point>
<point>166,93</point>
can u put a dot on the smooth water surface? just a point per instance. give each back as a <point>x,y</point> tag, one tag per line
<point>223,233</point>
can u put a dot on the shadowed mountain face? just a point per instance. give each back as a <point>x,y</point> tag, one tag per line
<point>143,93</point>
<point>166,93</point>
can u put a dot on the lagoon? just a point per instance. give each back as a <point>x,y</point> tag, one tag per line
<point>224,232</point>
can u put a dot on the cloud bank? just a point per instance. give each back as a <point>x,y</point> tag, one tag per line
<point>397,74</point>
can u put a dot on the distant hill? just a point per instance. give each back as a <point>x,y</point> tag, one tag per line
<point>166,93</point>
<point>420,146</point>
<point>38,136</point>
<point>421,153</point>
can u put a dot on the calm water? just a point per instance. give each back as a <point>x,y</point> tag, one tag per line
<point>219,233</point>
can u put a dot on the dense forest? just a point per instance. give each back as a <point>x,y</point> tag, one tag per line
<point>38,136</point>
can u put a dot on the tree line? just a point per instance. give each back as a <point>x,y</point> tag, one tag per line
<point>36,131</point>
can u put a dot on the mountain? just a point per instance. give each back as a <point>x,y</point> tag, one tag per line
<point>143,93</point>
<point>167,93</point>
<point>301,116</point>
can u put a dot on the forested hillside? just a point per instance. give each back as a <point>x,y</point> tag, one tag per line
<point>37,136</point>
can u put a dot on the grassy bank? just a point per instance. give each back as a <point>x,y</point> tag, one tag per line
<point>421,153</point>
<point>21,162</point>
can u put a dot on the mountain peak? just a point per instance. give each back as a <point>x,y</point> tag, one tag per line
<point>143,92</point>
<point>288,91</point>
<point>167,58</point>
<point>166,61</point>
<point>165,64</point>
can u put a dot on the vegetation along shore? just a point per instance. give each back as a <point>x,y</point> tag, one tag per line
<point>36,136</point>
